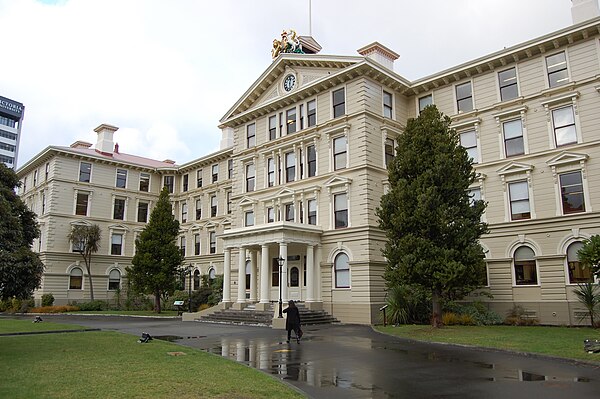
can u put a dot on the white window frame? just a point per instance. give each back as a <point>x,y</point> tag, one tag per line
<point>384,106</point>
<point>89,202</point>
<point>545,68</point>
<point>418,102</point>
<point>115,232</point>
<point>499,91</point>
<point>456,110</point>
<point>125,206</point>
<point>477,160</point>
<point>512,173</point>
<point>567,162</point>
<point>334,272</point>
<point>247,177</point>
<point>508,116</point>
<point>333,154</point>
<point>149,182</point>
<point>247,215</point>
<point>513,269</point>
<point>117,178</point>
<point>109,279</point>
<point>79,172</point>
<point>343,87</point>
<point>248,137</point>
<point>560,102</point>
<point>69,274</point>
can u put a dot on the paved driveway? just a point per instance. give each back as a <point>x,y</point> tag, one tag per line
<point>348,361</point>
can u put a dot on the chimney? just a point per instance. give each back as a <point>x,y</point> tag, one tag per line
<point>583,10</point>
<point>116,151</point>
<point>105,138</point>
<point>226,138</point>
<point>81,144</point>
<point>379,53</point>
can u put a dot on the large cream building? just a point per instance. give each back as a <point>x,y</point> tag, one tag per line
<point>302,167</point>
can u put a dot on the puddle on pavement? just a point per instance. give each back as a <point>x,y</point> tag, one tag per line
<point>173,338</point>
<point>288,362</point>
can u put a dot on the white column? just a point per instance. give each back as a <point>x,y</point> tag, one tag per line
<point>310,274</point>
<point>252,276</point>
<point>227,276</point>
<point>319,288</point>
<point>283,277</point>
<point>265,272</point>
<point>241,297</point>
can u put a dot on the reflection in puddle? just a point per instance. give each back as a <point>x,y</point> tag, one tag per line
<point>172,338</point>
<point>304,363</point>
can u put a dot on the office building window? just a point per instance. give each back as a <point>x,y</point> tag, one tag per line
<point>273,127</point>
<point>197,244</point>
<point>249,218</point>
<point>116,244</point>
<point>290,120</point>
<point>196,279</point>
<point>43,203</point>
<point>114,280</point>
<point>270,215</point>
<point>289,213</point>
<point>513,137</point>
<point>199,178</point>
<point>339,103</point>
<point>35,175</point>
<point>250,177</point>
<point>142,213</point>
<point>311,114</point>
<point>311,156</point>
<point>213,206</point>
<point>425,101</point>
<point>525,266</point>
<point>229,168</point>
<point>340,210</point>
<point>312,211</point>
<point>121,178</point>
<point>47,172</point>
<point>270,172</point>
<point>519,200</point>
<point>184,182</point>
<point>468,140</point>
<point>571,192</point>
<point>474,195</point>
<point>302,117</point>
<point>81,204</point>
<point>198,209</point>
<point>508,84</point>
<point>250,135</point>
<point>182,245</point>
<point>577,273</point>
<point>342,271</point>
<point>339,153</point>
<point>275,273</point>
<point>563,121</point>
<point>144,182</point>
<point>290,167</point>
<point>215,173</point>
<point>119,209</point>
<point>464,97</point>
<point>76,279</point>
<point>168,183</point>
<point>556,67</point>
<point>389,151</point>
<point>212,237</point>
<point>387,104</point>
<point>184,212</point>
<point>85,172</point>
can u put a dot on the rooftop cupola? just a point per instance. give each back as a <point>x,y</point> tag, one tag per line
<point>379,53</point>
<point>105,142</point>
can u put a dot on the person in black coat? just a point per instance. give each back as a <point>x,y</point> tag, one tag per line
<point>293,321</point>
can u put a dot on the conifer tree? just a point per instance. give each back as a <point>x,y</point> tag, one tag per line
<point>431,223</point>
<point>156,263</point>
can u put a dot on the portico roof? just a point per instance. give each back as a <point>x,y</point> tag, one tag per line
<point>272,233</point>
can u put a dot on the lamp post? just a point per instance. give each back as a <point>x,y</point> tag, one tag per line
<point>190,267</point>
<point>280,260</point>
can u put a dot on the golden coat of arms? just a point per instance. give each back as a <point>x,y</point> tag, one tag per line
<point>289,43</point>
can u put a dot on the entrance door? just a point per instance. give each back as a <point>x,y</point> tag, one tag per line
<point>295,280</point>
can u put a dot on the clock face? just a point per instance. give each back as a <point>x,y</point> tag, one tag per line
<point>289,82</point>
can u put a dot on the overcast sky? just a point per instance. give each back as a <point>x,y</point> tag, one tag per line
<point>165,72</point>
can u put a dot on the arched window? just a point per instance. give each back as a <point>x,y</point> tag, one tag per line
<point>577,274</point>
<point>114,280</point>
<point>525,266</point>
<point>196,279</point>
<point>76,279</point>
<point>248,272</point>
<point>342,271</point>
<point>294,277</point>
<point>212,274</point>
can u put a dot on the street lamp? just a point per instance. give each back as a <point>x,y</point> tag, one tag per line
<point>280,260</point>
<point>191,268</point>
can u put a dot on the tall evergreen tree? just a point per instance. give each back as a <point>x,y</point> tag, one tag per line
<point>432,225</point>
<point>87,240</point>
<point>20,269</point>
<point>155,265</point>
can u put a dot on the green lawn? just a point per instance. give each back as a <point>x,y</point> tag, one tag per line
<point>164,313</point>
<point>114,365</point>
<point>14,326</point>
<point>564,342</point>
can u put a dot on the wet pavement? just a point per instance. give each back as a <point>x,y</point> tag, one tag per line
<point>349,361</point>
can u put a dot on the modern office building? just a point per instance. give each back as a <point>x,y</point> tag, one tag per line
<point>302,168</point>
<point>11,117</point>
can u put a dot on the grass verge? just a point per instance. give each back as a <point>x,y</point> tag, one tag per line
<point>566,342</point>
<point>114,365</point>
<point>164,313</point>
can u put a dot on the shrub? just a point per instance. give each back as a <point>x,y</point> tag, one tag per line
<point>47,300</point>
<point>588,295</point>
<point>475,313</point>
<point>96,305</point>
<point>450,319</point>
<point>55,309</point>
<point>204,306</point>
<point>517,316</point>
<point>407,304</point>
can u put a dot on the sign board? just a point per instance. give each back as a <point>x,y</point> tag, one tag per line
<point>9,107</point>
<point>178,303</point>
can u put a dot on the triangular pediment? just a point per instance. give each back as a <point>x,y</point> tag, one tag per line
<point>514,167</point>
<point>306,68</point>
<point>195,226</point>
<point>245,201</point>
<point>566,158</point>
<point>210,225</point>
<point>118,226</point>
<point>284,192</point>
<point>337,181</point>
<point>225,222</point>
<point>81,222</point>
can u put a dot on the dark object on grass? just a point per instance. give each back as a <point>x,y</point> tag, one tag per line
<point>37,319</point>
<point>145,338</point>
<point>591,346</point>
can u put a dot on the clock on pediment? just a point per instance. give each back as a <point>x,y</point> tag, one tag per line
<point>289,82</point>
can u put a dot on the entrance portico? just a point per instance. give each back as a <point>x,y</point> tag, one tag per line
<point>300,279</point>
